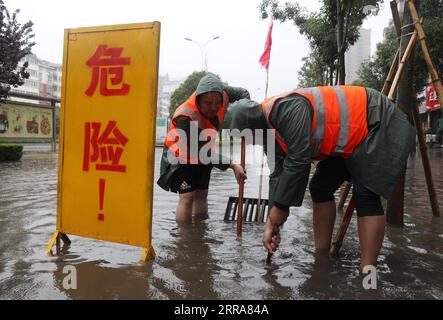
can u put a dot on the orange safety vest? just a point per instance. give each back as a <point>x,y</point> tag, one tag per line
<point>178,144</point>
<point>339,123</point>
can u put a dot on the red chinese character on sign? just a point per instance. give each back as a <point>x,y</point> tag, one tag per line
<point>106,148</point>
<point>108,62</point>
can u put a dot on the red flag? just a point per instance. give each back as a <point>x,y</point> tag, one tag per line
<point>266,56</point>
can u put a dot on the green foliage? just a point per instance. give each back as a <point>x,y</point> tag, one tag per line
<point>185,90</point>
<point>373,73</point>
<point>329,31</point>
<point>10,152</point>
<point>15,44</point>
<point>432,11</point>
<point>313,73</point>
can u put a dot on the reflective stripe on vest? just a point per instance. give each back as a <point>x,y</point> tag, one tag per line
<point>339,122</point>
<point>267,106</point>
<point>189,109</point>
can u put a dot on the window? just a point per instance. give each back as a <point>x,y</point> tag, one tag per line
<point>31,83</point>
<point>32,72</point>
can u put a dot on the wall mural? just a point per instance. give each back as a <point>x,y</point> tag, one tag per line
<point>18,121</point>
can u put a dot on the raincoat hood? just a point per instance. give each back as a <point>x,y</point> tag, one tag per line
<point>209,83</point>
<point>244,114</point>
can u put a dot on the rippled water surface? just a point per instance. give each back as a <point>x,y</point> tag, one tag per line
<point>206,260</point>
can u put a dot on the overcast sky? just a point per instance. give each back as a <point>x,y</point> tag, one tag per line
<point>234,56</point>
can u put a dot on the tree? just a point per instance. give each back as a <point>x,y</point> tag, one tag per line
<point>350,15</point>
<point>330,31</point>
<point>313,72</point>
<point>185,90</point>
<point>374,72</point>
<point>315,26</point>
<point>432,11</point>
<point>15,44</point>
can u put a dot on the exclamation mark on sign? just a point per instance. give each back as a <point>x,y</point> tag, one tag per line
<point>101,216</point>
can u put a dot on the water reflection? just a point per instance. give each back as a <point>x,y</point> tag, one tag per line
<point>206,260</point>
<point>97,281</point>
<point>276,289</point>
<point>321,282</point>
<point>192,261</point>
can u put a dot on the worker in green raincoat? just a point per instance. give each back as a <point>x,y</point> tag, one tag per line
<point>354,133</point>
<point>187,160</point>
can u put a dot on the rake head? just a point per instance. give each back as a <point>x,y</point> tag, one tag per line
<point>250,210</point>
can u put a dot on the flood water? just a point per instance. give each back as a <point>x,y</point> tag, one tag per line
<point>206,260</point>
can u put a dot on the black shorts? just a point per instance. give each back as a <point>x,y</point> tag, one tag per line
<point>329,176</point>
<point>191,177</point>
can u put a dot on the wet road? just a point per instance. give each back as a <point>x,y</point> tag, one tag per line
<point>206,260</point>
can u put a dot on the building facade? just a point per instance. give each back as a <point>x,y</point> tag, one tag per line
<point>166,86</point>
<point>357,54</point>
<point>44,78</point>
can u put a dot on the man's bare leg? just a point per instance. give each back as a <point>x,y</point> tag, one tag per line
<point>371,231</point>
<point>200,204</point>
<point>184,207</point>
<point>323,220</point>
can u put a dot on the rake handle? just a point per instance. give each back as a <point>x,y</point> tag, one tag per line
<point>241,189</point>
<point>336,244</point>
<point>268,258</point>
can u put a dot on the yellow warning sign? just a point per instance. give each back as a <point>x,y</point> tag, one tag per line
<point>107,138</point>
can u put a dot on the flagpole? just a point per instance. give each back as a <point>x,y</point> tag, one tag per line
<point>260,187</point>
<point>264,61</point>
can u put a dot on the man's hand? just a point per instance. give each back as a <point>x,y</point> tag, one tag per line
<point>271,235</point>
<point>240,174</point>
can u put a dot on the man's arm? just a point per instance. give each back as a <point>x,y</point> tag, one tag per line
<point>292,118</point>
<point>223,163</point>
<point>184,123</point>
<point>236,93</point>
